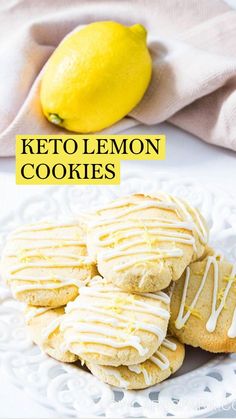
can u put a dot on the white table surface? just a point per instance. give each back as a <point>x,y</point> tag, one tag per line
<point>186,156</point>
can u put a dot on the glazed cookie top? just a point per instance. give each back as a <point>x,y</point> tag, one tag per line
<point>142,242</point>
<point>203,305</point>
<point>111,327</point>
<point>44,327</point>
<point>46,256</point>
<point>164,362</point>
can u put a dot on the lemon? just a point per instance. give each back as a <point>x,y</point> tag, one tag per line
<point>96,76</point>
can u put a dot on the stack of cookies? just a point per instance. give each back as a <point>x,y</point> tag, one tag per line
<point>124,288</point>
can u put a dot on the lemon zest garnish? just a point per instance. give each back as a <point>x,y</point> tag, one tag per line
<point>146,234</point>
<point>42,256</point>
<point>117,310</point>
<point>23,257</point>
<point>116,238</point>
<point>220,294</point>
<point>228,278</point>
<point>118,303</point>
<point>193,312</point>
<point>130,330</point>
<point>147,238</point>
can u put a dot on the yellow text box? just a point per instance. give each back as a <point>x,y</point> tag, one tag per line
<point>81,159</point>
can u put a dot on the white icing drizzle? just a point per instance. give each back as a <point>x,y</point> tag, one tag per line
<point>156,222</point>
<point>198,225</point>
<point>55,247</point>
<point>63,240</point>
<point>159,359</point>
<point>46,278</point>
<point>81,261</point>
<point>53,325</point>
<point>106,323</point>
<point>163,229</point>
<point>119,321</point>
<point>159,253</point>
<point>134,207</point>
<point>140,260</point>
<point>64,243</point>
<point>116,374</point>
<point>37,286</point>
<point>46,255</point>
<point>34,312</point>
<point>162,296</point>
<point>215,311</point>
<point>123,235</point>
<point>50,328</point>
<point>140,369</point>
<point>140,306</point>
<point>103,290</point>
<point>42,226</point>
<point>45,282</point>
<point>167,343</point>
<point>165,237</point>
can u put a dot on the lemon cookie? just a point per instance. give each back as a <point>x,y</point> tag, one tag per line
<point>164,362</point>
<point>143,242</point>
<point>43,324</point>
<point>203,305</point>
<point>110,327</point>
<point>45,263</point>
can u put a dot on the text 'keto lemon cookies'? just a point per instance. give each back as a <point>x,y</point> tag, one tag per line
<point>203,305</point>
<point>164,362</point>
<point>110,327</point>
<point>143,242</point>
<point>44,327</point>
<point>46,263</point>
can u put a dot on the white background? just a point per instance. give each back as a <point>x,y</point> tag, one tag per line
<point>186,156</point>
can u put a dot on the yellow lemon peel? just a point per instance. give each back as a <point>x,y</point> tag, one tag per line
<point>193,312</point>
<point>198,273</point>
<point>228,278</point>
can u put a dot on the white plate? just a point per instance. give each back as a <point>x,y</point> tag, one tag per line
<point>204,384</point>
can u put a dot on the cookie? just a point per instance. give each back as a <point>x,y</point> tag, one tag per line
<point>164,362</point>
<point>143,242</point>
<point>46,263</point>
<point>110,327</point>
<point>203,305</point>
<point>44,328</point>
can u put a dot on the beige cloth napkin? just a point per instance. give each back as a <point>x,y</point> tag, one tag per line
<point>193,45</point>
